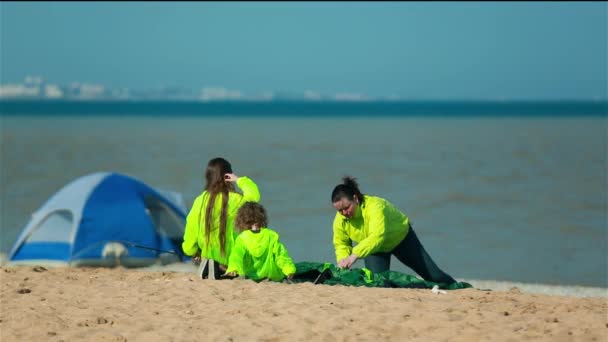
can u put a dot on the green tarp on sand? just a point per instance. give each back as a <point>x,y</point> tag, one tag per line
<point>329,274</point>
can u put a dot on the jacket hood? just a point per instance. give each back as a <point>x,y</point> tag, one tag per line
<point>258,243</point>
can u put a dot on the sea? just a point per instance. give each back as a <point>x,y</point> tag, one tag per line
<point>497,191</point>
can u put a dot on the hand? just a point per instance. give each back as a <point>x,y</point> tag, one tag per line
<point>231,177</point>
<point>288,279</point>
<point>196,259</point>
<point>348,261</point>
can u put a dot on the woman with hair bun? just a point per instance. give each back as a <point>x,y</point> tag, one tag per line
<point>380,230</point>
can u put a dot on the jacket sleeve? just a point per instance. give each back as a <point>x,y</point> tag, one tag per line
<point>376,231</point>
<point>237,256</point>
<point>251,193</point>
<point>342,242</point>
<point>283,260</point>
<point>190,244</point>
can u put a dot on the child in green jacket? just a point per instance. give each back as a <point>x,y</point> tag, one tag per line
<point>257,252</point>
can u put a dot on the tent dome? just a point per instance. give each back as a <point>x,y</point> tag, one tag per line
<point>102,219</point>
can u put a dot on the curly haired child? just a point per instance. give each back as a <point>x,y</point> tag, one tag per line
<point>257,252</point>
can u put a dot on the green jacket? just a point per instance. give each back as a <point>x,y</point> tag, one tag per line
<point>194,235</point>
<point>260,255</point>
<point>377,226</point>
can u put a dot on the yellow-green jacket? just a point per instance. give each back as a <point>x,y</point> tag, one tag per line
<point>194,235</point>
<point>377,226</point>
<point>260,255</point>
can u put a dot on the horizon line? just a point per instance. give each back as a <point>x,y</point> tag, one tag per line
<point>302,100</point>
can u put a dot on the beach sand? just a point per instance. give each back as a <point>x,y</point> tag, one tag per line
<point>100,304</point>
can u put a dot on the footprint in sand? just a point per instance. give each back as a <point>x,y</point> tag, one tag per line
<point>39,269</point>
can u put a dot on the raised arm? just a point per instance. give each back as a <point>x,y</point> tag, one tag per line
<point>251,193</point>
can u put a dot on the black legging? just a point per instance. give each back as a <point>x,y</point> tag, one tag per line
<point>412,254</point>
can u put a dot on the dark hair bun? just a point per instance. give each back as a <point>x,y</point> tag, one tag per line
<point>350,182</point>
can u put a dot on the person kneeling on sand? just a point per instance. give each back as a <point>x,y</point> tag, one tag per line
<point>257,252</point>
<point>381,230</point>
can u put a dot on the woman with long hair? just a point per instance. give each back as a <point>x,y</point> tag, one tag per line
<point>209,229</point>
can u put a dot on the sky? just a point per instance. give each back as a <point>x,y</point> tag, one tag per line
<point>414,50</point>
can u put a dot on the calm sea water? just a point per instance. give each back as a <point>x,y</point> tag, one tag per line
<point>502,198</point>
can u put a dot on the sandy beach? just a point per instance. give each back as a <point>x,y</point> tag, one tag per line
<point>99,304</point>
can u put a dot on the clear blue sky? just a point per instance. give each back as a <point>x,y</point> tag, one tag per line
<point>462,50</point>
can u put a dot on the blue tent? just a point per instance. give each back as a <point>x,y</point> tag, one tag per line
<point>104,219</point>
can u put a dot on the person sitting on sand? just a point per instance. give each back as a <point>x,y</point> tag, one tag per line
<point>209,231</point>
<point>379,229</point>
<point>257,253</point>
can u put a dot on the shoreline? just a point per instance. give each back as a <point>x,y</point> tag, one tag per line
<point>580,291</point>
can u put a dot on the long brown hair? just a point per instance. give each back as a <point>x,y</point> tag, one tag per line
<point>216,169</point>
